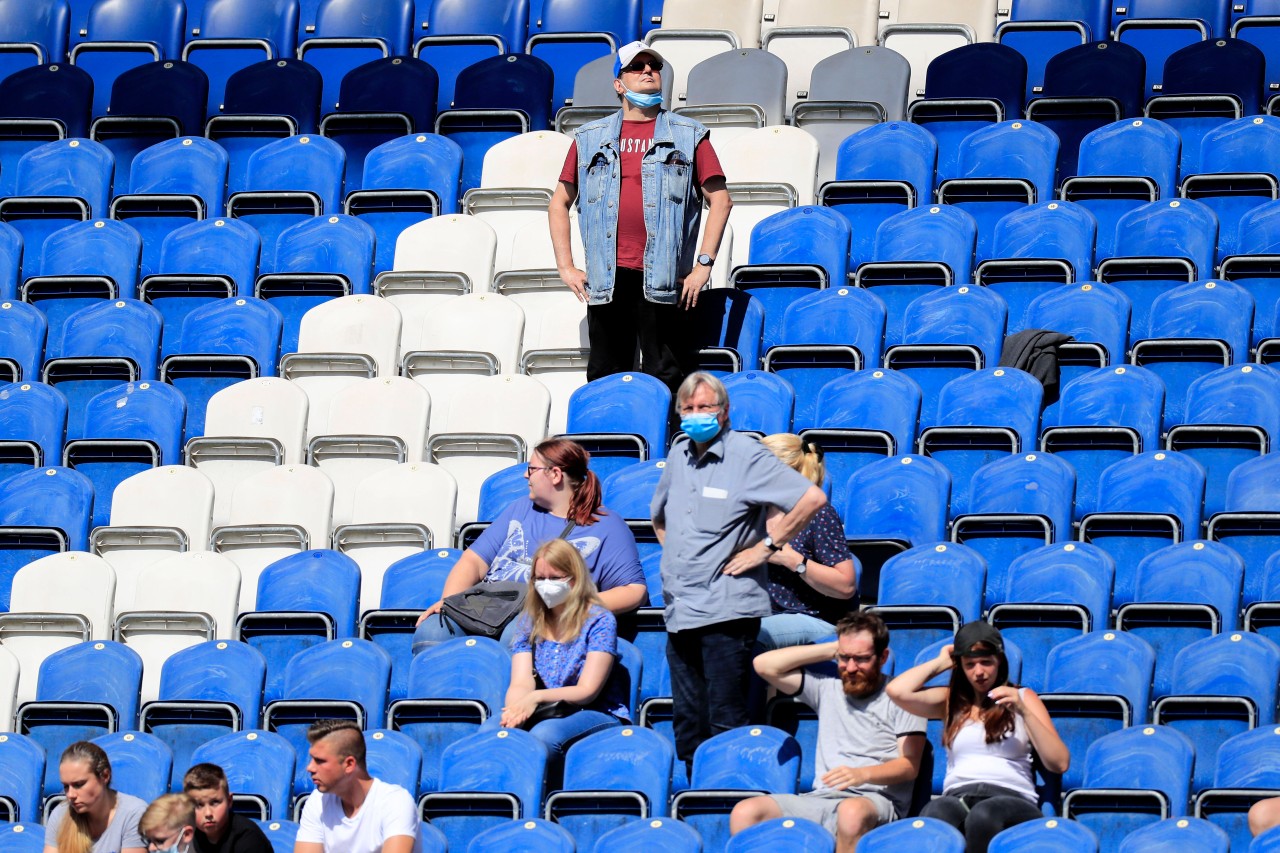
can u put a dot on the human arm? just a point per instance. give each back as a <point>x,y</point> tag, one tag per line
<point>398,844</point>
<point>821,546</point>
<point>904,768</point>
<point>617,570</point>
<point>784,668</point>
<point>719,204</point>
<point>466,573</point>
<point>780,528</point>
<point>307,847</point>
<point>523,696</point>
<point>1053,753</point>
<point>835,581</point>
<point>623,599</point>
<point>908,690</point>
<point>562,199</point>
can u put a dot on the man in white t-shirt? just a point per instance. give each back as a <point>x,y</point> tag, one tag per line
<point>868,749</point>
<point>350,811</point>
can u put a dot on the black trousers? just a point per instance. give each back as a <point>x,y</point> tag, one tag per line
<point>981,812</point>
<point>710,670</point>
<point>631,333</point>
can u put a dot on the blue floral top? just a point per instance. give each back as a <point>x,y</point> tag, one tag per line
<point>821,540</point>
<point>560,664</point>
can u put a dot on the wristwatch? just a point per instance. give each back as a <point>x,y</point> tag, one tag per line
<point>802,566</point>
<point>771,545</point>
<point>705,260</point>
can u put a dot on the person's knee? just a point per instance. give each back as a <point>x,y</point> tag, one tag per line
<point>855,817</point>
<point>1263,815</point>
<point>749,812</point>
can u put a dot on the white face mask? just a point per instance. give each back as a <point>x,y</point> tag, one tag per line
<point>552,592</point>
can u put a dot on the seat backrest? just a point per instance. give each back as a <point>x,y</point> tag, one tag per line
<point>514,162</point>
<point>1109,662</point>
<point>1194,572</point>
<point>452,243</point>
<point>945,573</point>
<point>162,22</point>
<point>1099,69</point>
<point>191,165</point>
<point>22,763</point>
<point>744,76</point>
<point>624,402</point>
<point>1011,149</point>
<point>141,763</point>
<point>1089,311</point>
<point>213,247</point>
<point>508,19</point>
<point>235,326</point>
<point>1259,232</point>
<point>416,581</point>
<point>1048,229</point>
<point>287,494</point>
<point>389,20</point>
<point>1181,228</point>
<point>1209,11</point>
<point>760,757</point>
<point>773,155</point>
<point>1070,573</point>
<point>988,70</point>
<point>865,73</point>
<point>56,91</point>
<point>23,329</point>
<point>255,762</point>
<point>241,670</point>
<point>837,315</point>
<point>362,669</point>
<point>1249,760</point>
<point>1155,481</point>
<point>123,328</point>
<point>50,497</point>
<point>167,496</point>
<point>268,407</point>
<point>283,86</point>
<point>192,581</point>
<point>997,396</point>
<point>299,163</point>
<point>891,151</point>
<point>1129,396</point>
<point>1095,13</point>
<point>70,582</point>
<point>317,580</point>
<point>94,671</point>
<point>425,160</point>
<point>1240,394</point>
<point>1133,146</point>
<point>1142,757</point>
<point>513,81</point>
<point>1217,310</point>
<point>804,235</point>
<point>510,760</point>
<point>980,16</point>
<point>95,247</point>
<point>886,400</point>
<point>1038,483</point>
<point>354,324</point>
<point>740,18</point>
<point>42,22</point>
<point>273,20</point>
<point>415,492</point>
<point>389,405</point>
<point>394,84</point>
<point>621,20</point>
<point>1233,663</point>
<point>69,167</point>
<point>963,315</point>
<point>172,88</point>
<point>1217,65</point>
<point>152,411</point>
<point>1251,485</point>
<point>930,233</point>
<point>728,317</point>
<point>1249,144</point>
<point>336,243</point>
<point>33,411</point>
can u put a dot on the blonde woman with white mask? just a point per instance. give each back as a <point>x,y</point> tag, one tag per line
<point>565,682</point>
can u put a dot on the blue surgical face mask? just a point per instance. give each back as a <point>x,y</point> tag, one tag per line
<point>642,100</point>
<point>701,427</point>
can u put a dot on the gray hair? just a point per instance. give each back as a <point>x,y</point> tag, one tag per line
<point>697,378</point>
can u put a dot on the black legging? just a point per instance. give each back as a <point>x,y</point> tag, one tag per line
<point>981,812</point>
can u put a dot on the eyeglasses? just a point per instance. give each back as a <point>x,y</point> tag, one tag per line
<point>638,65</point>
<point>528,472</point>
<point>860,660</point>
<point>700,409</point>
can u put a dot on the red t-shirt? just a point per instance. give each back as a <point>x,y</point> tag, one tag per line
<point>637,137</point>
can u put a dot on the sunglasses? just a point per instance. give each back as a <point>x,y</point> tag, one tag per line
<point>639,65</point>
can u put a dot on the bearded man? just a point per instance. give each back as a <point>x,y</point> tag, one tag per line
<point>868,749</point>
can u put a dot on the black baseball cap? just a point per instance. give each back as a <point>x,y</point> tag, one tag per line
<point>978,634</point>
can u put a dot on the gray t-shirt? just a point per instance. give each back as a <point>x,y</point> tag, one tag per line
<point>712,508</point>
<point>856,732</point>
<point>120,834</point>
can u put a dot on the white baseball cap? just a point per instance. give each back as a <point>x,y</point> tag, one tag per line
<point>628,52</point>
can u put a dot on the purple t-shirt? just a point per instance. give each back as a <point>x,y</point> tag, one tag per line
<point>561,664</point>
<point>507,546</point>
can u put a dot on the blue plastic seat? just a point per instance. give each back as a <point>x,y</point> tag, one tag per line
<point>303,600</point>
<point>1132,778</point>
<point>1039,29</point>
<point>966,89</point>
<point>140,764</point>
<point>33,33</point>
<point>1096,684</point>
<point>924,833</point>
<point>782,834</point>
<point>761,402</point>
<point>534,835</point>
<point>406,181</point>
<point>730,767</point>
<point>620,419</point>
<point>346,34</point>
<point>84,691</point>
<point>1222,685</point>
<point>1257,242</point>
<point>1244,773</point>
<point>123,34</point>
<point>258,764</point>
<point>378,102</point>
<point>1097,315</point>
<point>1249,526</point>
<point>394,757</point>
<point>916,251</point>
<point>980,416</point>
<point>1121,166</point>
<point>567,34</point>
<point>1103,417</point>
<point>150,104</point>
<point>453,688</point>
<point>1206,83</point>
<point>33,426</point>
<point>11,245</point>
<point>286,182</point>
<point>824,336</point>
<point>611,778</point>
<point>673,836</point>
<point>1034,249</point>
<point>22,337</point>
<point>311,692</point>
<point>1229,418</point>
<point>999,169</point>
<point>1017,503</point>
<point>881,170</point>
<point>947,333</point>
<point>928,592</point>
<point>862,417</point>
<point>101,345</point>
<point>234,34</point>
<point>193,708</point>
<point>46,510</point>
<point>1178,833</point>
<point>1237,159</point>
<point>1051,595</point>
<point>629,490</point>
<point>39,105</point>
<point>21,777</point>
<point>263,103</point>
<point>727,325</point>
<point>1052,835</point>
<point>486,778</point>
<point>495,99</point>
<point>24,837</point>
<point>1183,593</point>
<point>460,33</point>
<point>1161,38</point>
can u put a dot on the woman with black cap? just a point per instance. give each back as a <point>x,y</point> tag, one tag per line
<point>990,728</point>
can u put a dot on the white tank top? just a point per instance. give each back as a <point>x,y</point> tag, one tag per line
<point>1006,762</point>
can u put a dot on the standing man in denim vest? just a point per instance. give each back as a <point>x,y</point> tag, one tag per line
<point>639,178</point>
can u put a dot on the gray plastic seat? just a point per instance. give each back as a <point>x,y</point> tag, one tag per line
<point>745,88</point>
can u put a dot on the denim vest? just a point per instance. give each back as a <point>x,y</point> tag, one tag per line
<point>672,204</point>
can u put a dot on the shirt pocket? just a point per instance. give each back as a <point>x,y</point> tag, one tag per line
<point>598,177</point>
<point>677,172</point>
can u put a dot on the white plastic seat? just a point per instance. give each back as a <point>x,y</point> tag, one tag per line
<point>478,322</point>
<point>694,30</point>
<point>926,29</point>
<point>767,170</point>
<point>374,424</point>
<point>531,247</point>
<point>178,602</point>
<point>341,342</point>
<point>397,512</point>
<point>531,159</point>
<point>508,211</point>
<point>154,514</point>
<point>859,17</point>
<point>274,513</point>
<point>56,602</point>
<point>10,674</point>
<point>250,426</point>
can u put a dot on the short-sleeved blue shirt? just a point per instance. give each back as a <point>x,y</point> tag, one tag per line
<point>713,507</point>
<point>609,548</point>
<point>561,664</point>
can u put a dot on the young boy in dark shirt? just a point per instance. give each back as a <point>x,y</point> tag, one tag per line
<point>218,829</point>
